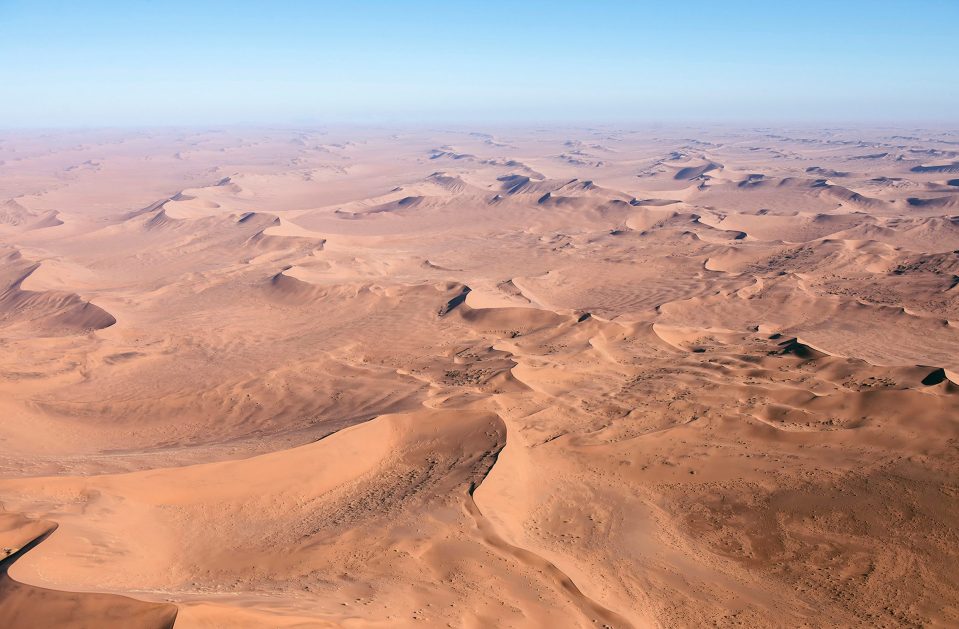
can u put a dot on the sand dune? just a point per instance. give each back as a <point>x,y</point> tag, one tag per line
<point>43,313</point>
<point>952,167</point>
<point>26,606</point>
<point>938,203</point>
<point>483,378</point>
<point>687,173</point>
<point>15,216</point>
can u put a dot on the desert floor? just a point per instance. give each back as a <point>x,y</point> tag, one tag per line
<point>524,378</point>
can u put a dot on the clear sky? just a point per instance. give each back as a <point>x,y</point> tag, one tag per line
<point>129,62</point>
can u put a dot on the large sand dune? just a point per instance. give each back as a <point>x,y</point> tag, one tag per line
<point>577,378</point>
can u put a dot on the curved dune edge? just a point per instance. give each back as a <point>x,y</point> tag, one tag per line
<point>491,527</point>
<point>727,398</point>
<point>304,475</point>
<point>241,480</point>
<point>590,608</point>
<point>24,606</point>
<point>44,312</point>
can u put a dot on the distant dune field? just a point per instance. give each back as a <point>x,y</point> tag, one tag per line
<point>542,378</point>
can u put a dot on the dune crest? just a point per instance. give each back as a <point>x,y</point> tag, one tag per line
<point>479,378</point>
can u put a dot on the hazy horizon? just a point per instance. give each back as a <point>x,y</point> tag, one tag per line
<point>413,314</point>
<point>190,64</point>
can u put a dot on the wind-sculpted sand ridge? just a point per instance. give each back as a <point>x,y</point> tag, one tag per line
<point>25,606</point>
<point>578,378</point>
<point>43,313</point>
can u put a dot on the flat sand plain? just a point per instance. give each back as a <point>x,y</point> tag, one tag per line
<point>519,378</point>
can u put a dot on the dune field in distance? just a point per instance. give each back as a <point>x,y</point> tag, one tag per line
<point>571,377</point>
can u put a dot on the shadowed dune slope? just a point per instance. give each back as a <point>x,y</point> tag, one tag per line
<point>478,378</point>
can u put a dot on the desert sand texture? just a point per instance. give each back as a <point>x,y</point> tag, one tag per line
<point>564,377</point>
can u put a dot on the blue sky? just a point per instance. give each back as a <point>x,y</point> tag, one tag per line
<point>210,62</point>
